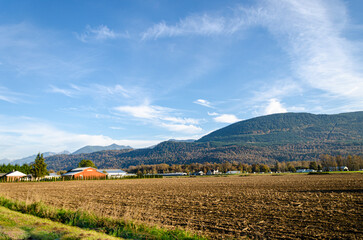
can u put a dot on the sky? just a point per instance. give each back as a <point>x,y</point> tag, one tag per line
<point>76,73</point>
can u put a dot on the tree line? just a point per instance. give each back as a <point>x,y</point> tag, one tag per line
<point>325,162</point>
<point>36,169</point>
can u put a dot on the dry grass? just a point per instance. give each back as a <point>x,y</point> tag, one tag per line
<point>287,206</point>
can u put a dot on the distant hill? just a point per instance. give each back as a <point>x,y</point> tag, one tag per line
<point>91,149</point>
<point>31,158</point>
<point>292,128</point>
<point>277,137</point>
<point>4,161</point>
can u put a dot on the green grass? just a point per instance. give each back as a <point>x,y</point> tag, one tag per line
<point>88,220</point>
<point>15,225</point>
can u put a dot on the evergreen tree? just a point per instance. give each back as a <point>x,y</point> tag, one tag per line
<point>86,163</point>
<point>39,167</point>
<point>313,165</point>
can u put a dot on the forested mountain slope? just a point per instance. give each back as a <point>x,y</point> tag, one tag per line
<point>278,137</point>
<point>291,128</point>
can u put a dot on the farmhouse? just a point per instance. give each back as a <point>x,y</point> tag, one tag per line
<point>84,173</point>
<point>11,176</point>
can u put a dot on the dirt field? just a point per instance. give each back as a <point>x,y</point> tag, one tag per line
<point>289,206</point>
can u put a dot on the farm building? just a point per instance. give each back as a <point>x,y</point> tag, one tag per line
<point>52,175</point>
<point>233,172</point>
<point>173,174</point>
<point>213,172</point>
<point>113,173</point>
<point>341,168</point>
<point>11,176</point>
<point>84,173</point>
<point>305,170</point>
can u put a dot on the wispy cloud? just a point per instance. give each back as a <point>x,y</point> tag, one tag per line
<point>162,117</point>
<point>203,102</point>
<point>311,32</point>
<point>8,96</point>
<point>99,33</point>
<point>212,114</point>
<point>95,90</point>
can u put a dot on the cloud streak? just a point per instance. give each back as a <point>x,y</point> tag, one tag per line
<point>99,33</point>
<point>203,102</point>
<point>162,117</point>
<point>95,90</point>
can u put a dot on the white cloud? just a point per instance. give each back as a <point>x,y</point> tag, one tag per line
<point>161,116</point>
<point>188,129</point>
<point>144,111</point>
<point>274,106</point>
<point>22,136</point>
<point>99,33</point>
<point>226,118</point>
<point>203,102</point>
<point>212,114</point>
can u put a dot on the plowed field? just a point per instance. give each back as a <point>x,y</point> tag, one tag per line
<point>288,206</point>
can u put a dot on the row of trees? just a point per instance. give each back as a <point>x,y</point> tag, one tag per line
<point>354,163</point>
<point>196,167</point>
<point>325,162</point>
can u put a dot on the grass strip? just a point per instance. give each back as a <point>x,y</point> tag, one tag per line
<point>15,225</point>
<point>88,220</point>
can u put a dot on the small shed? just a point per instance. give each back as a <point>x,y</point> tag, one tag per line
<point>84,173</point>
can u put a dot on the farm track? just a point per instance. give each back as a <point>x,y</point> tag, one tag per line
<point>287,206</point>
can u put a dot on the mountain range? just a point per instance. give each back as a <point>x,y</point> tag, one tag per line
<point>266,139</point>
<point>83,150</point>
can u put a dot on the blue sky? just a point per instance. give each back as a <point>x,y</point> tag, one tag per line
<point>76,73</point>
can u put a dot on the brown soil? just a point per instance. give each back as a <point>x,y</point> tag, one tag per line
<point>276,207</point>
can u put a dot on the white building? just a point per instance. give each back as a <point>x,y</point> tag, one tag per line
<point>113,173</point>
<point>305,170</point>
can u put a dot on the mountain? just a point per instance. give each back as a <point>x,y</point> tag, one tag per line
<point>91,149</point>
<point>292,128</point>
<point>4,161</point>
<point>186,140</point>
<point>266,139</point>
<point>31,158</point>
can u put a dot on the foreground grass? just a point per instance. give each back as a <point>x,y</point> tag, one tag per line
<point>87,220</point>
<point>15,225</point>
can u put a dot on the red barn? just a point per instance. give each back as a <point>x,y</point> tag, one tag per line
<point>84,173</point>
